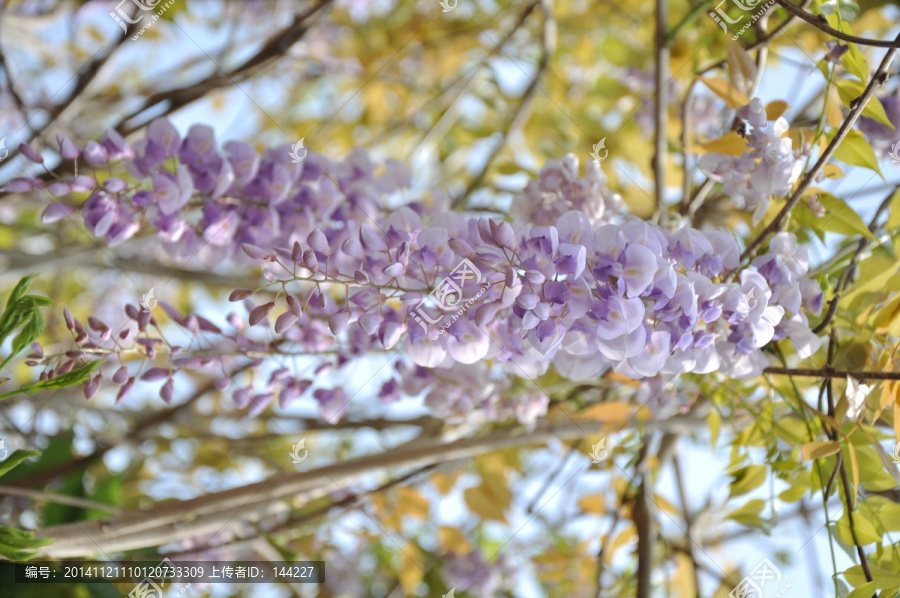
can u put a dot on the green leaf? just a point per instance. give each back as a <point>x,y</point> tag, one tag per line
<point>856,151</point>
<point>16,458</point>
<point>866,590</point>
<point>746,479</point>
<point>855,63</point>
<point>841,218</point>
<point>865,531</point>
<point>848,90</point>
<point>19,545</point>
<point>20,289</point>
<point>76,376</point>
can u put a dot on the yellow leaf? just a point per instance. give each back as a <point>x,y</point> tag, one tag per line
<point>593,504</point>
<point>833,113</point>
<point>725,90</point>
<point>444,481</point>
<point>452,540</point>
<point>664,504</point>
<point>684,581</point>
<point>730,144</point>
<point>614,411</point>
<point>741,67</point>
<point>411,573</point>
<point>412,502</point>
<point>714,421</point>
<point>886,319</point>
<point>776,109</point>
<point>817,450</point>
<point>481,502</point>
<point>832,171</point>
<point>623,538</point>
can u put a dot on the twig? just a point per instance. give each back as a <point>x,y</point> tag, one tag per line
<point>822,25</point>
<point>860,103</point>
<point>88,73</point>
<point>662,105</point>
<point>848,275</point>
<point>59,499</point>
<point>829,373</point>
<point>219,511</point>
<point>547,46</point>
<point>832,434</point>
<point>644,524</point>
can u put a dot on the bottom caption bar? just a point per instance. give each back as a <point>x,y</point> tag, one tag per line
<point>160,574</point>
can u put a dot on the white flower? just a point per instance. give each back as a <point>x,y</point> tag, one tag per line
<point>856,397</point>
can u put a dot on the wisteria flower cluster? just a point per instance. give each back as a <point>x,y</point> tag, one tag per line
<point>354,267</point>
<point>768,168</point>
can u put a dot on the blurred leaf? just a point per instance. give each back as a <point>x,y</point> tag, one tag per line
<point>746,479</point>
<point>775,109</point>
<point>818,450</point>
<point>727,91</point>
<point>14,459</point>
<point>19,545</point>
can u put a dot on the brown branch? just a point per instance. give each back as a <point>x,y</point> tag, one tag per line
<point>548,43</point>
<point>833,434</point>
<point>775,34</point>
<point>860,103</point>
<point>820,23</point>
<point>87,75</point>
<point>644,525</point>
<point>662,105</point>
<point>275,47</point>
<point>848,275</point>
<point>220,511</point>
<point>829,373</point>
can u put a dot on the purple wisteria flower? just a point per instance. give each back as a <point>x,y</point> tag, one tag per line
<point>573,283</point>
<point>768,168</point>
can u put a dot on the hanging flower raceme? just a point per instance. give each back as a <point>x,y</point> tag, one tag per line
<point>769,167</point>
<point>574,283</point>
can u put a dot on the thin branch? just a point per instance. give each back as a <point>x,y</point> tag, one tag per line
<point>59,499</point>
<point>87,75</point>
<point>830,373</point>
<point>849,273</point>
<point>520,114</point>
<point>833,434</point>
<point>820,23</point>
<point>775,34</point>
<point>860,103</point>
<point>275,47</point>
<point>222,511</point>
<point>662,105</point>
